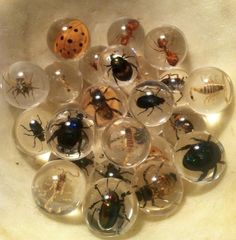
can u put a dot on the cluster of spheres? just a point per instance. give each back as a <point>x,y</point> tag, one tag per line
<point>122,124</point>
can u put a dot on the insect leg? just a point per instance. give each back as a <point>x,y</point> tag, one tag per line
<point>202,176</point>
<point>116,111</point>
<point>28,130</point>
<point>143,111</point>
<point>214,172</point>
<point>40,121</point>
<point>151,111</point>
<point>112,98</point>
<point>185,147</point>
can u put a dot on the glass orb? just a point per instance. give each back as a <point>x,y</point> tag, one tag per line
<point>126,142</point>
<point>158,187</point>
<point>59,187</point>
<point>68,38</point>
<point>89,65</point>
<point>119,66</point>
<point>66,80</point>
<point>126,32</point>
<point>70,134</point>
<point>151,102</point>
<point>103,103</point>
<point>29,131</point>
<point>165,47</point>
<point>110,207</point>
<point>175,79</point>
<point>208,90</point>
<point>25,85</point>
<point>199,157</point>
<point>182,121</point>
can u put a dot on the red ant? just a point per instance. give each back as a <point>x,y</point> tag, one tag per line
<point>130,27</point>
<point>171,57</point>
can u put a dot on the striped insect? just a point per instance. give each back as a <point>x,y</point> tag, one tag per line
<point>210,90</point>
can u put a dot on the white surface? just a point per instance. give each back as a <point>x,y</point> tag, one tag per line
<point>207,213</point>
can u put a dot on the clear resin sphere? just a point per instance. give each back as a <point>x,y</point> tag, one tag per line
<point>175,79</point>
<point>70,134</point>
<point>151,102</point>
<point>158,187</point>
<point>103,103</point>
<point>106,169</point>
<point>127,32</point>
<point>110,208</point>
<point>25,85</point>
<point>199,157</point>
<point>182,121</point>
<point>89,65</point>
<point>165,47</point>
<point>119,65</point>
<point>68,38</point>
<point>29,131</point>
<point>208,90</point>
<point>59,187</point>
<point>65,82</point>
<point>126,142</point>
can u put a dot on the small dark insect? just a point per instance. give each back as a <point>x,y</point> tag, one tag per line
<point>70,133</point>
<point>202,156</point>
<point>121,69</point>
<point>175,83</point>
<point>158,189</point>
<point>112,208</point>
<point>100,103</point>
<point>130,27</point>
<point>171,57</point>
<point>149,100</point>
<point>115,172</point>
<point>179,123</point>
<point>83,163</point>
<point>23,87</point>
<point>36,129</point>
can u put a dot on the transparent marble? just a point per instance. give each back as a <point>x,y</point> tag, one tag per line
<point>59,187</point>
<point>208,90</point>
<point>119,66</point>
<point>127,32</point>
<point>160,150</point>
<point>182,121</point>
<point>103,103</point>
<point>89,65</point>
<point>86,164</point>
<point>151,102</point>
<point>70,134</point>
<point>67,81</point>
<point>29,131</point>
<point>68,38</point>
<point>25,85</point>
<point>126,142</point>
<point>175,79</point>
<point>165,47</point>
<point>199,157</point>
<point>110,207</point>
<point>158,187</point>
<point>107,169</point>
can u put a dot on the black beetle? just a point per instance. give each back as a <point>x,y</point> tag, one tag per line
<point>149,101</point>
<point>102,108</point>
<point>112,171</point>
<point>202,156</point>
<point>112,208</point>
<point>36,129</point>
<point>121,68</point>
<point>158,189</point>
<point>83,163</point>
<point>70,133</point>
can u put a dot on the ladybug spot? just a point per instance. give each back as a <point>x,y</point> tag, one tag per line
<point>75,50</point>
<point>81,44</point>
<point>76,30</point>
<point>83,33</point>
<point>62,37</point>
<point>60,50</point>
<point>70,41</point>
<point>68,53</point>
<point>70,27</point>
<point>57,44</point>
